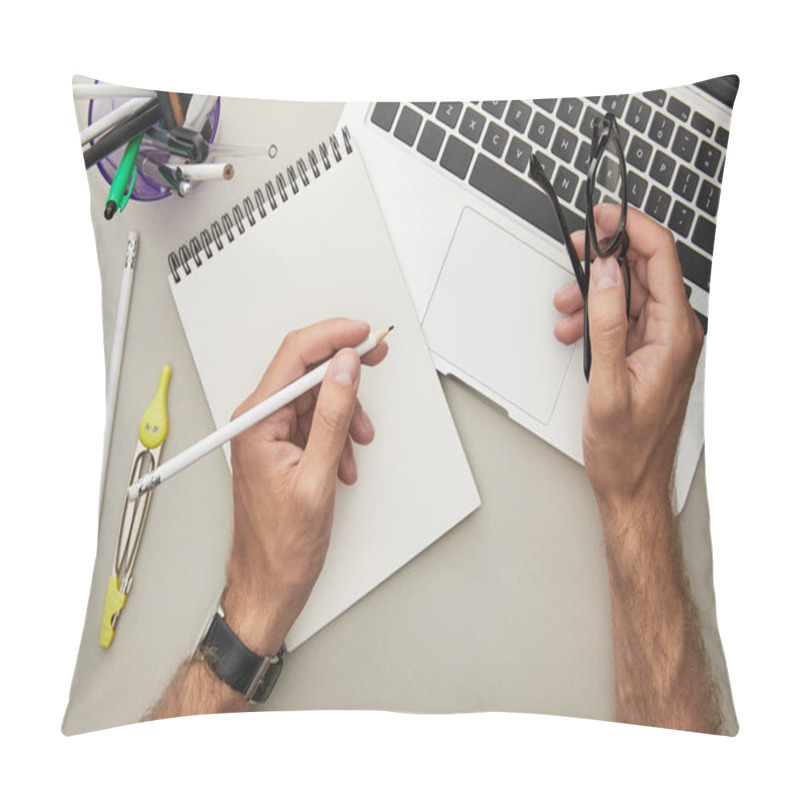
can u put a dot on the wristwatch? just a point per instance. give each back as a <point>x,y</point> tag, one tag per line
<point>250,674</point>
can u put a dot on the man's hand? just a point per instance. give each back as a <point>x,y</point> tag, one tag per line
<point>642,372</point>
<point>284,480</point>
<point>642,368</point>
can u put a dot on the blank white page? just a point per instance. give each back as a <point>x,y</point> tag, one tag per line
<point>322,253</point>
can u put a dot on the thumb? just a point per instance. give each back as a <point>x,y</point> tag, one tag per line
<point>332,414</point>
<point>608,332</point>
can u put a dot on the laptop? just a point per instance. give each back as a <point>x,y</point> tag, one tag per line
<point>479,244</point>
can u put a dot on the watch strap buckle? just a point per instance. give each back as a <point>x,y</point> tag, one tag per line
<point>266,663</point>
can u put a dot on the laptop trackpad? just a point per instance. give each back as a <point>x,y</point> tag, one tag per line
<point>492,316</point>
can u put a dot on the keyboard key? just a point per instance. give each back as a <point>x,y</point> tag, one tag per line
<point>456,157</point>
<point>580,200</point>
<point>678,109</point>
<point>519,155</point>
<point>708,159</point>
<point>615,104</point>
<point>638,115</point>
<point>430,140</point>
<point>721,170</point>
<point>427,107</point>
<point>608,174</point>
<point>657,204</point>
<point>583,157</point>
<point>637,187</point>
<point>547,105</point>
<point>564,144</point>
<point>541,129</point>
<point>547,164</point>
<point>722,137</point>
<point>495,139</point>
<point>383,114</point>
<point>472,125</point>
<point>658,97</point>
<point>702,124</point>
<point>661,129</point>
<point>586,123</point>
<point>520,197</point>
<point>663,168</point>
<point>696,267</point>
<point>686,183</point>
<point>681,218</point>
<point>518,115</point>
<point>494,107</point>
<point>569,110</point>
<point>684,144</point>
<point>639,153</point>
<point>449,113</point>
<point>703,235</point>
<point>708,199</point>
<point>408,125</point>
<point>565,184</point>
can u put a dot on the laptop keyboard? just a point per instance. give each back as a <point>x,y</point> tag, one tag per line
<point>675,158</point>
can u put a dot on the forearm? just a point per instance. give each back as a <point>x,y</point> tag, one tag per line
<point>661,672</point>
<point>195,689</point>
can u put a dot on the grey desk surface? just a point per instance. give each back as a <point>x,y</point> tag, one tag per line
<point>508,611</point>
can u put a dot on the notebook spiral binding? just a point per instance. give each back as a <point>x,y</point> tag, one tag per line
<point>276,191</point>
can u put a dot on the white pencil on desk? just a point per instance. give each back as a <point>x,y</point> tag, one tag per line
<point>117,347</point>
<point>227,432</point>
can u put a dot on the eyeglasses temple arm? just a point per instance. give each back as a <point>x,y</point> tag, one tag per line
<point>538,175</point>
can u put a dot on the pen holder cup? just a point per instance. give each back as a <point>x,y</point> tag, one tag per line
<point>143,188</point>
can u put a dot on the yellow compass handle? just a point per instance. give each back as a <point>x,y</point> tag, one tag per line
<point>154,423</point>
<point>115,600</point>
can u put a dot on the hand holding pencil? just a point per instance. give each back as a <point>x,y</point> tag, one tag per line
<point>284,479</point>
<point>288,394</point>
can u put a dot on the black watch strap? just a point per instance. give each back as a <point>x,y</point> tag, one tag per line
<point>250,674</point>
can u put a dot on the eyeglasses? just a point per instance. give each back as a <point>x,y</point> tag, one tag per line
<point>605,175</point>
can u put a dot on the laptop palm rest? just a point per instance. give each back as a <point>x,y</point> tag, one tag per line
<point>491,317</point>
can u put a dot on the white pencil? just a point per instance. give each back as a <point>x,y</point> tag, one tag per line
<point>127,109</point>
<point>118,345</point>
<point>86,91</point>
<point>227,432</point>
<point>207,172</point>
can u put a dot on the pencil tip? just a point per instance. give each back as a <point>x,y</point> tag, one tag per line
<point>379,337</point>
<point>391,327</point>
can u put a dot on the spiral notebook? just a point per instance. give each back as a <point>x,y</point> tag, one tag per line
<point>310,245</point>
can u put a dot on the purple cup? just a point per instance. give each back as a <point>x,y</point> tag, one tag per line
<point>144,189</point>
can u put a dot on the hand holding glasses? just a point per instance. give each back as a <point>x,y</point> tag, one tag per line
<point>606,174</point>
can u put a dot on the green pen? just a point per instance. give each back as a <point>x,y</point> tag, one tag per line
<point>122,185</point>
